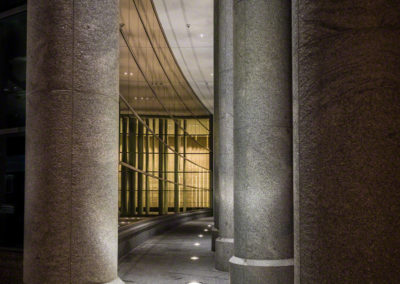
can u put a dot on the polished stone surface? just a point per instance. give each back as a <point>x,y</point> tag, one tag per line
<point>71,142</point>
<point>263,198</point>
<point>349,162</point>
<point>224,151</point>
<point>166,258</point>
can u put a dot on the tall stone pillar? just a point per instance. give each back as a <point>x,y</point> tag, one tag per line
<point>215,135</point>
<point>348,104</point>
<point>224,108</point>
<point>263,222</point>
<point>71,198</point>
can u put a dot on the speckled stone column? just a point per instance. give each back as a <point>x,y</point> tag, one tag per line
<point>263,206</point>
<point>224,242</point>
<point>348,69</point>
<point>71,200</point>
<point>214,230</point>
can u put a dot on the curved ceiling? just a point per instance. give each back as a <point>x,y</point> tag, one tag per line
<point>151,82</point>
<point>188,26</point>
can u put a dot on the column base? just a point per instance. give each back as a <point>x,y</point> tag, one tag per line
<point>116,281</point>
<point>255,271</point>
<point>214,236</point>
<point>223,252</point>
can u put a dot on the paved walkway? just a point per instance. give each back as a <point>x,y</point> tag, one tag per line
<point>168,258</point>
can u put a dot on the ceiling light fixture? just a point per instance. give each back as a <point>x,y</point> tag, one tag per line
<point>194,258</point>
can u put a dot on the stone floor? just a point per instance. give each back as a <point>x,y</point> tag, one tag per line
<point>166,258</point>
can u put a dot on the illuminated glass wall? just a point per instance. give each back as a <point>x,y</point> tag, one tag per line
<point>165,143</point>
<point>164,166</point>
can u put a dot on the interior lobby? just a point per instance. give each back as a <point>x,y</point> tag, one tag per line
<point>210,141</point>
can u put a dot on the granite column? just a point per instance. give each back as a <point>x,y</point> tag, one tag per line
<point>224,153</point>
<point>347,119</point>
<point>215,135</point>
<point>263,207</point>
<point>71,195</point>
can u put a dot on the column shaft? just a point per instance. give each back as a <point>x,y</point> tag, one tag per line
<point>132,161</point>
<point>224,153</point>
<point>147,189</point>
<point>184,166</point>
<point>176,169</point>
<point>166,167</point>
<point>263,222</point>
<point>161,167</point>
<point>124,170</point>
<point>347,107</point>
<point>140,167</point>
<point>71,196</point>
<point>214,230</point>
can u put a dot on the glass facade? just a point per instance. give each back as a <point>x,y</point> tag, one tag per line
<point>164,128</point>
<point>164,168</point>
<point>12,123</point>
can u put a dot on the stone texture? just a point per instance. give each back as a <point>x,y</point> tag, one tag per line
<point>224,153</point>
<point>215,129</point>
<point>258,274</point>
<point>71,142</point>
<point>348,126</point>
<point>223,252</point>
<point>263,208</point>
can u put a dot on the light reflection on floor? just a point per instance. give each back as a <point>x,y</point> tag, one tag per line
<point>174,258</point>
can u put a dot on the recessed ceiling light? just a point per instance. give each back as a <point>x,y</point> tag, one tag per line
<point>205,230</point>
<point>212,74</point>
<point>201,35</point>
<point>194,258</point>
<point>196,244</point>
<point>131,74</point>
<point>126,73</point>
<point>200,236</point>
<point>194,282</point>
<point>209,226</point>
